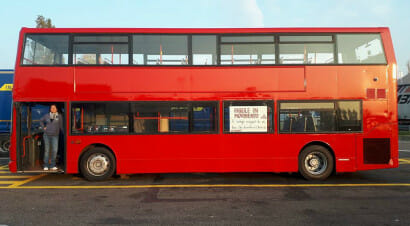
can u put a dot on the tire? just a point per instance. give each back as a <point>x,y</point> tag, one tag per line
<point>97,164</point>
<point>316,163</point>
<point>5,145</point>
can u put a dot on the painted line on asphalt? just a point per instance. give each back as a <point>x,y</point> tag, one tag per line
<point>209,186</point>
<point>32,178</point>
<point>404,161</point>
<point>9,181</point>
<point>12,177</point>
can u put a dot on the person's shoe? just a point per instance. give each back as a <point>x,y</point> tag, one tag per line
<point>45,168</point>
<point>54,168</point>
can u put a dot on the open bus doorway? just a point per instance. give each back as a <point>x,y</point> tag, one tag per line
<point>30,136</point>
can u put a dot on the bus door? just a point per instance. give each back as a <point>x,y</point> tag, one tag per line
<point>30,148</point>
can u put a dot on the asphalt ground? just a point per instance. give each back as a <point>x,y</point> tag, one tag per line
<point>379,197</point>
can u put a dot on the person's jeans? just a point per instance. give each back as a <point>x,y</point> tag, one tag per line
<point>53,142</point>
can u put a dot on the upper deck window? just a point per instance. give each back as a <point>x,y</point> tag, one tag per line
<point>45,50</point>
<point>360,49</point>
<point>248,49</point>
<point>160,49</point>
<point>306,49</point>
<point>203,49</point>
<point>101,50</point>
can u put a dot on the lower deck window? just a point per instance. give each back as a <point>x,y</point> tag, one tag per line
<point>317,117</point>
<point>93,118</point>
<point>144,117</point>
<point>174,117</point>
<point>248,117</point>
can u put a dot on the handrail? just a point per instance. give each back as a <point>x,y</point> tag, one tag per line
<point>24,146</point>
<point>24,143</point>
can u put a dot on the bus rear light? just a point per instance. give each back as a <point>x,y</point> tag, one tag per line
<point>381,93</point>
<point>371,93</point>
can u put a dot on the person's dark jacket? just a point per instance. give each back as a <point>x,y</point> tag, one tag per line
<point>53,127</point>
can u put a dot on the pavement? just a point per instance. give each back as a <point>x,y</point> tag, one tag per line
<point>378,197</point>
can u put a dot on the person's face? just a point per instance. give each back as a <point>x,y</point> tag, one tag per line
<point>53,109</point>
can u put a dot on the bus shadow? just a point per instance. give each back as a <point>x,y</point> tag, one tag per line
<point>230,179</point>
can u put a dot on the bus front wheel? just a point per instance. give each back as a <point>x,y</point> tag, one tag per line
<point>97,164</point>
<point>316,163</point>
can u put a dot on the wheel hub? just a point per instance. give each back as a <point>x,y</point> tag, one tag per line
<point>98,164</point>
<point>316,163</point>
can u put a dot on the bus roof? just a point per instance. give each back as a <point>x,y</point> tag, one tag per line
<point>209,30</point>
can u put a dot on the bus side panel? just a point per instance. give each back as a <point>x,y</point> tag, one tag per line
<point>212,153</point>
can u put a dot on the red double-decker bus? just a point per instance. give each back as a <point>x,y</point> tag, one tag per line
<point>308,100</point>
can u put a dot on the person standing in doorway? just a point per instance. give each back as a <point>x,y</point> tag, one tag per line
<point>52,124</point>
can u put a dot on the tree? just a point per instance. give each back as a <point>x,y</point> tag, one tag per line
<point>42,22</point>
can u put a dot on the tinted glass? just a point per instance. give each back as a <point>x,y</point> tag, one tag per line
<point>360,49</point>
<point>305,38</point>
<point>306,53</point>
<point>204,118</point>
<point>319,117</point>
<point>349,117</point>
<point>307,117</point>
<point>173,117</point>
<point>160,49</point>
<point>100,54</point>
<point>204,49</point>
<point>248,117</point>
<point>247,54</point>
<point>45,50</point>
<point>100,118</point>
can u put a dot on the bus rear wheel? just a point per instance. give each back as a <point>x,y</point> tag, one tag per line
<point>316,163</point>
<point>97,164</point>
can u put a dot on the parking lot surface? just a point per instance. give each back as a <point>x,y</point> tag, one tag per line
<point>379,197</point>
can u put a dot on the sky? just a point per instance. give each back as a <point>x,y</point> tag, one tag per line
<point>207,13</point>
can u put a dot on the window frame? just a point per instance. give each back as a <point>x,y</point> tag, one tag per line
<point>334,101</point>
<point>269,102</point>
<point>130,114</point>
<point>218,49</point>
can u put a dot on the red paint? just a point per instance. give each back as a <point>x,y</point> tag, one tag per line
<point>217,152</point>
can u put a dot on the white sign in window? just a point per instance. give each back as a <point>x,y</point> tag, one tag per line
<point>248,119</point>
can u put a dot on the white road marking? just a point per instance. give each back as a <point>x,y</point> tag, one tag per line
<point>404,150</point>
<point>404,141</point>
